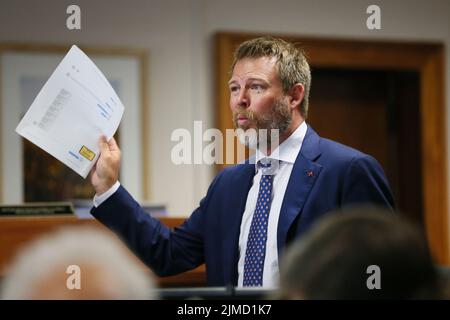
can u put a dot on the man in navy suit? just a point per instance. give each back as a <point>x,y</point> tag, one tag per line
<point>248,216</point>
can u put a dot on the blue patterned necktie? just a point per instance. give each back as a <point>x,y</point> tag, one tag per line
<point>256,243</point>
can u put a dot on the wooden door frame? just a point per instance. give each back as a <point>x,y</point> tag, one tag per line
<point>425,58</point>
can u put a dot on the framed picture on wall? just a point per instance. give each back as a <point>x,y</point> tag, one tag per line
<point>28,174</point>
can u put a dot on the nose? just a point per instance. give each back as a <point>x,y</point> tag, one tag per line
<point>243,99</point>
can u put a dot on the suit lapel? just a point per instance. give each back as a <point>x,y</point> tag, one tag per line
<point>304,174</point>
<point>241,184</point>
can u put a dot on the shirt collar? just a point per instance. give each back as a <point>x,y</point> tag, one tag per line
<point>288,150</point>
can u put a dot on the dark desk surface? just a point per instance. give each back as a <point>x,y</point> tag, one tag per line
<point>206,293</point>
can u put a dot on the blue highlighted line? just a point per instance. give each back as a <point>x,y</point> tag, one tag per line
<point>75,155</point>
<point>103,109</point>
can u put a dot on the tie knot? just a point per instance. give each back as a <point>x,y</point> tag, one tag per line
<point>268,166</point>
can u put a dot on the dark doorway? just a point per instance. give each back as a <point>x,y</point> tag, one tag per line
<point>377,112</point>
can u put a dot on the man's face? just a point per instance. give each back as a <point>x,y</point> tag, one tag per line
<point>256,96</point>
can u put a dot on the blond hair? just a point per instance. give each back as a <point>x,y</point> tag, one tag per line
<point>291,63</point>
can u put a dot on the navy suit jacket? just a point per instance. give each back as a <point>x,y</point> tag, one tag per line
<point>326,176</point>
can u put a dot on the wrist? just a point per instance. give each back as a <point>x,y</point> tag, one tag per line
<point>100,198</point>
<point>104,187</point>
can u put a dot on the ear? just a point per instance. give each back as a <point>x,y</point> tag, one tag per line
<point>296,95</point>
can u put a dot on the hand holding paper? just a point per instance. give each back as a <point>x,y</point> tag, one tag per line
<point>75,107</point>
<point>106,171</point>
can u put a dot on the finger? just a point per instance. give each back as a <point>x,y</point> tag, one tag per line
<point>92,172</point>
<point>103,144</point>
<point>113,144</point>
<point>94,167</point>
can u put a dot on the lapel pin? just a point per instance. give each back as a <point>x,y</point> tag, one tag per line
<point>310,173</point>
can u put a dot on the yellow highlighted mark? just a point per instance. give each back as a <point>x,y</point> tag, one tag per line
<point>87,153</point>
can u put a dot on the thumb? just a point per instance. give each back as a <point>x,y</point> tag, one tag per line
<point>103,144</point>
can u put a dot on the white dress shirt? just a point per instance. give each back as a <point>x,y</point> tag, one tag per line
<point>99,199</point>
<point>287,153</point>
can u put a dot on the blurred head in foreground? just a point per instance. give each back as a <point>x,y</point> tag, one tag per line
<point>362,253</point>
<point>76,263</point>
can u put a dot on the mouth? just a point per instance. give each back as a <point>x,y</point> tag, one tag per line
<point>242,120</point>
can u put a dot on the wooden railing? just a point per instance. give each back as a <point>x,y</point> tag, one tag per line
<point>17,232</point>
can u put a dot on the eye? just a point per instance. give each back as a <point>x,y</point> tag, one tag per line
<point>234,89</point>
<point>257,87</point>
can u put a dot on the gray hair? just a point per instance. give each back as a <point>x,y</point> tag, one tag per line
<point>77,245</point>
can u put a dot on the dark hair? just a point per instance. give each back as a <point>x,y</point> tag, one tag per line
<point>332,260</point>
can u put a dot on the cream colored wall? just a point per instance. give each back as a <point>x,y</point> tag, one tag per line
<point>179,37</point>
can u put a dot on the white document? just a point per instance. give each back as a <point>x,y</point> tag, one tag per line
<point>73,109</point>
